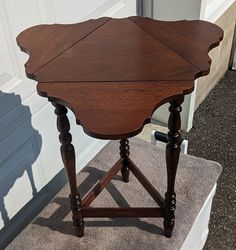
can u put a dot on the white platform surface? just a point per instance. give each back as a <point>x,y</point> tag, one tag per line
<point>197,236</point>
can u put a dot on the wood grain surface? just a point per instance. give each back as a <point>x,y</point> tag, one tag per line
<point>113,110</point>
<point>114,73</point>
<point>46,42</point>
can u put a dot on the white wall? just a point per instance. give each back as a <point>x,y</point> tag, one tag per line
<point>176,10</point>
<point>211,10</point>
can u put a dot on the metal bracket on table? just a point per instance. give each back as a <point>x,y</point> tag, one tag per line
<point>162,137</point>
<point>139,7</point>
<point>232,60</point>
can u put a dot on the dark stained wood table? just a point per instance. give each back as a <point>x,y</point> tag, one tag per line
<point>113,74</point>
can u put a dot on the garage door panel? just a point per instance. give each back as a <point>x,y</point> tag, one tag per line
<point>78,9</point>
<point>17,173</point>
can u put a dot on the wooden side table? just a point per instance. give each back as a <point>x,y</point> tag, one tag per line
<point>113,74</point>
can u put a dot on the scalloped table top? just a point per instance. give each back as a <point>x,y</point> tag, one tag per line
<point>114,73</point>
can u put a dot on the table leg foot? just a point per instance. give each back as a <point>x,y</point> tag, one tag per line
<point>124,153</point>
<point>168,231</point>
<point>78,221</point>
<point>79,230</point>
<point>125,174</point>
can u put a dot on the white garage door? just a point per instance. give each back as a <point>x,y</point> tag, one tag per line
<point>29,148</point>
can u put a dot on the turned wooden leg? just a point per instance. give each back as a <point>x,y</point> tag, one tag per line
<point>124,153</point>
<point>68,157</point>
<point>172,159</point>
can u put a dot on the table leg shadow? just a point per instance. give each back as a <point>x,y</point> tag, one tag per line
<point>56,221</point>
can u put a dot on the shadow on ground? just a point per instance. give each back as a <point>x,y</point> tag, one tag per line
<point>56,221</point>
